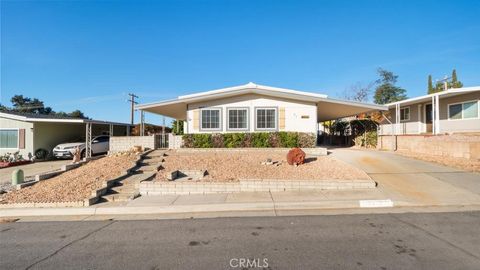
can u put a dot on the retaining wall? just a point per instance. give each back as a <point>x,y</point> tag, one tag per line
<point>125,143</point>
<point>456,146</point>
<point>317,151</point>
<point>249,185</point>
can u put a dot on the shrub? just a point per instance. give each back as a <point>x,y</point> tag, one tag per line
<point>306,140</point>
<point>187,141</point>
<point>202,141</point>
<point>260,139</point>
<point>288,139</point>
<point>233,140</point>
<point>217,140</point>
<point>255,139</point>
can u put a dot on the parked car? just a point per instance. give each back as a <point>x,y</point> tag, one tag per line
<point>100,145</point>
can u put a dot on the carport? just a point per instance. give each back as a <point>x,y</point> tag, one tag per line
<point>34,132</point>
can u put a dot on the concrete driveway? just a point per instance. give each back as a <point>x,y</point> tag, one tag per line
<point>410,180</point>
<point>32,169</point>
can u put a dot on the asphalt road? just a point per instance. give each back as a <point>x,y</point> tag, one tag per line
<point>383,241</point>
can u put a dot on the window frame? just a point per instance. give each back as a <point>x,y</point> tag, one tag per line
<point>220,116</point>
<point>409,111</point>
<point>276,119</point>
<point>463,102</point>
<point>18,139</point>
<point>247,128</point>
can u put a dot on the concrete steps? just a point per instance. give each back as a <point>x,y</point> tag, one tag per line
<point>127,189</point>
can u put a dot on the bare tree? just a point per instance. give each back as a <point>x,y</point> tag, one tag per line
<point>359,92</point>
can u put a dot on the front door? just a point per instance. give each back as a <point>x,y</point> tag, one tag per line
<point>428,117</point>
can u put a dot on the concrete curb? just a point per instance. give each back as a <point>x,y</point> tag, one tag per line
<point>231,208</point>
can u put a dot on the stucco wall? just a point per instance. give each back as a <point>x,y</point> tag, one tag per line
<point>294,110</point>
<point>416,124</point>
<point>15,124</point>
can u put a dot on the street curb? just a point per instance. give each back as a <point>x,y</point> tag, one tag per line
<point>201,208</point>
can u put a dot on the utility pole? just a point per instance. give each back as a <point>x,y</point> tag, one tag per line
<point>132,106</point>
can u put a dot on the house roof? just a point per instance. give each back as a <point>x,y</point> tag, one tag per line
<point>443,94</point>
<point>330,109</point>
<point>33,117</point>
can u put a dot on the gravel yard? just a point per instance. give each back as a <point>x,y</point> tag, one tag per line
<point>74,185</point>
<point>232,166</point>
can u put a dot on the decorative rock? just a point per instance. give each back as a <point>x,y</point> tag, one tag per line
<point>295,156</point>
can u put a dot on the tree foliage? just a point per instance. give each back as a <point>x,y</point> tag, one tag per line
<point>35,106</point>
<point>177,127</point>
<point>387,91</point>
<point>440,86</point>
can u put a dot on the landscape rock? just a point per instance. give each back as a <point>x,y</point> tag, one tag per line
<point>296,156</point>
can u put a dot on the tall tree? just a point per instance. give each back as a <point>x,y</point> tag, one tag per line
<point>386,91</point>
<point>430,85</point>
<point>455,82</point>
<point>77,114</point>
<point>177,127</point>
<point>28,105</point>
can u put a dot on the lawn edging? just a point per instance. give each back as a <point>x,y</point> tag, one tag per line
<point>148,188</point>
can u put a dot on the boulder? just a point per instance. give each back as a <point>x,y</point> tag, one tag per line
<point>295,156</point>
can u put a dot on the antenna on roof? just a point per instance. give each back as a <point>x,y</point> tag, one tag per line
<point>445,82</point>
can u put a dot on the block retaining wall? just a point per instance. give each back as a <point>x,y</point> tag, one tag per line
<point>125,143</point>
<point>248,185</point>
<point>456,146</point>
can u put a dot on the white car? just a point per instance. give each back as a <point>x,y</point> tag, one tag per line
<point>100,144</point>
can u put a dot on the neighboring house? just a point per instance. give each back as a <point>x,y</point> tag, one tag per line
<point>255,108</point>
<point>27,133</point>
<point>450,111</point>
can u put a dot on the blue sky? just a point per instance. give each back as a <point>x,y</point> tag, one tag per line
<point>90,54</point>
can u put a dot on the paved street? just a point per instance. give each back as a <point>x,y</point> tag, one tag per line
<point>382,241</point>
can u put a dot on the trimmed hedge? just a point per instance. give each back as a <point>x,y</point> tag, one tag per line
<point>256,140</point>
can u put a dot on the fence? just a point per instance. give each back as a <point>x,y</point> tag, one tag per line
<point>161,140</point>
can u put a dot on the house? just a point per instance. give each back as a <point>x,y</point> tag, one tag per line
<point>450,111</point>
<point>27,133</point>
<point>255,108</point>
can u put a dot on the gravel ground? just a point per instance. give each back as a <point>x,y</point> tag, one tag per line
<point>74,185</point>
<point>459,163</point>
<point>232,166</point>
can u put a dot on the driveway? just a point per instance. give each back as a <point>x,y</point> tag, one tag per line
<point>412,180</point>
<point>32,169</point>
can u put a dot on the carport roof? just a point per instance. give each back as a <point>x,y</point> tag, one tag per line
<point>443,94</point>
<point>327,108</point>
<point>31,117</point>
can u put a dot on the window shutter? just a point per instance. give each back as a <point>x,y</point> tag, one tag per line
<point>196,120</point>
<point>21,138</point>
<point>281,118</point>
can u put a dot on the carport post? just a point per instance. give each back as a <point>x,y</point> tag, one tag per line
<point>110,132</point>
<point>88,140</point>
<point>142,123</point>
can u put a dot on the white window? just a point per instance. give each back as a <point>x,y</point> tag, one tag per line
<point>9,138</point>
<point>465,110</point>
<point>405,114</point>
<point>237,118</point>
<point>266,118</point>
<point>210,119</point>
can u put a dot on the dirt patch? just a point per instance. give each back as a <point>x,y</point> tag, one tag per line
<point>459,163</point>
<point>74,185</point>
<point>232,166</point>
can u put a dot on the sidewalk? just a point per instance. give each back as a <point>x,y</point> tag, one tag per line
<point>242,204</point>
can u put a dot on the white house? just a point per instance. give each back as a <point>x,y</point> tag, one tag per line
<point>255,108</point>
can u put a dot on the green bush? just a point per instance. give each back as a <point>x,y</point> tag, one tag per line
<point>254,139</point>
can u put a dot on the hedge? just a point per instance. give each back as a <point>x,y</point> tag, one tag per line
<point>256,140</point>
